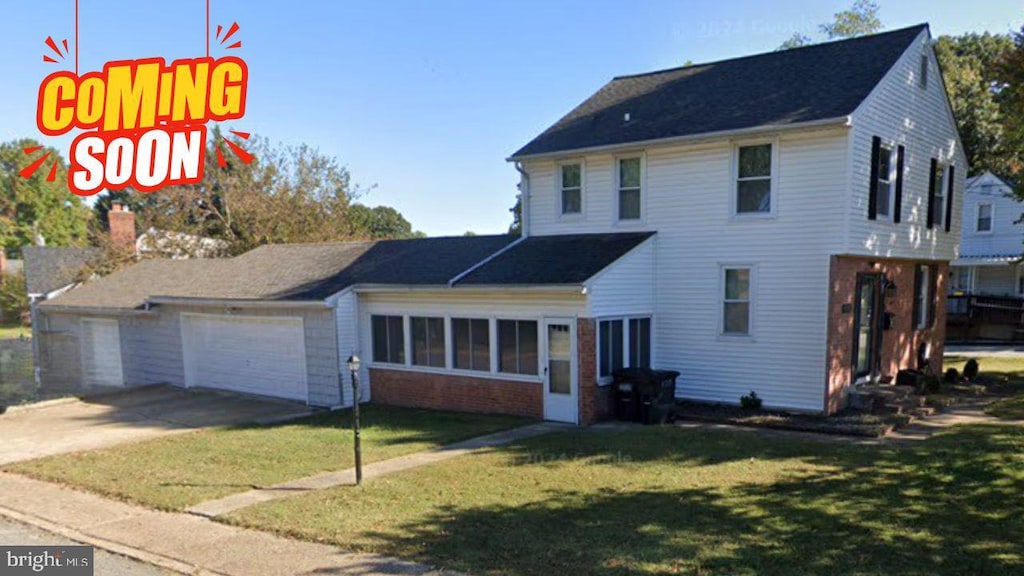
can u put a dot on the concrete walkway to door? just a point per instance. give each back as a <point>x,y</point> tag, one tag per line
<point>226,505</point>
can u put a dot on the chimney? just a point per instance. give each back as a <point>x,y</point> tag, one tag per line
<point>122,227</point>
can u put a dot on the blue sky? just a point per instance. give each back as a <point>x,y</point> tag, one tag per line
<point>424,100</point>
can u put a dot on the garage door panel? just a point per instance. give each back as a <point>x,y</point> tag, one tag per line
<point>101,352</point>
<point>256,355</point>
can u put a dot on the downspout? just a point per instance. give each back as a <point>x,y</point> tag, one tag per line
<point>524,197</point>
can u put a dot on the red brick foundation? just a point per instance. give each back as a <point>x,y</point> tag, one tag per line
<point>899,343</point>
<point>456,392</point>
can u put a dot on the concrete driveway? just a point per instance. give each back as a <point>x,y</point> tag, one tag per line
<point>72,425</point>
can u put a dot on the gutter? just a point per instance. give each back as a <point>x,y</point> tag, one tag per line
<point>568,288</point>
<point>839,121</point>
<point>92,310</point>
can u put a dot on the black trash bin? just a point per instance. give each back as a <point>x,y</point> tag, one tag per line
<point>644,395</point>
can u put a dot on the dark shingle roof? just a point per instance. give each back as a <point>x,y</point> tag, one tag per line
<point>563,259</point>
<point>816,82</point>
<point>49,268</point>
<point>302,272</point>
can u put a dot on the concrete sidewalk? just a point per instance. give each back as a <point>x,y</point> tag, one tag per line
<point>182,543</point>
<point>228,504</point>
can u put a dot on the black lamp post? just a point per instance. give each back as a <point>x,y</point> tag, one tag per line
<point>353,367</point>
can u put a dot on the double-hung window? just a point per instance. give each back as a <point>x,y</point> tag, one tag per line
<point>572,188</point>
<point>883,191</point>
<point>517,346</point>
<point>471,343</point>
<point>984,217</point>
<point>388,339</point>
<point>630,188</point>
<point>754,179</point>
<point>938,204</point>
<point>427,341</point>
<point>736,301</point>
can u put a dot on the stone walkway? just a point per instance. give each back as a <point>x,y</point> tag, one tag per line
<point>226,505</point>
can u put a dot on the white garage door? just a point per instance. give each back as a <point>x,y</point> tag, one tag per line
<point>101,352</point>
<point>251,354</point>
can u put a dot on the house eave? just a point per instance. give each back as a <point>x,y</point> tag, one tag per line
<point>837,122</point>
<point>237,302</point>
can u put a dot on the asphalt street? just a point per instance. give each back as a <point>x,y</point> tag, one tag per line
<point>106,564</point>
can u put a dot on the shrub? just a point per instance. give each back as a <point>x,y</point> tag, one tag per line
<point>750,401</point>
<point>13,300</point>
<point>951,376</point>
<point>971,369</point>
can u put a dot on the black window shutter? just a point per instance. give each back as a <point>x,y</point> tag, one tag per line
<point>898,200</point>
<point>931,192</point>
<point>876,143</point>
<point>917,301</point>
<point>949,195</point>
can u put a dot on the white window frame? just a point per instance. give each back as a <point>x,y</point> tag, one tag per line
<point>939,200</point>
<point>626,360</point>
<point>751,299</point>
<point>991,217</point>
<point>558,189</point>
<point>616,192</point>
<point>734,179</point>
<point>891,181</point>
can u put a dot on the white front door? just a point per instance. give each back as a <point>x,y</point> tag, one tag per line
<point>561,389</point>
<point>101,352</point>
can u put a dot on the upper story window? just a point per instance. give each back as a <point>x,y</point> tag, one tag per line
<point>754,179</point>
<point>922,75</point>
<point>883,191</point>
<point>388,334</point>
<point>630,187</point>
<point>938,204</point>
<point>984,223</point>
<point>572,188</point>
<point>736,301</point>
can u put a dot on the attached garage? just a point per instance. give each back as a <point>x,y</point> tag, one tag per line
<point>263,355</point>
<point>101,352</point>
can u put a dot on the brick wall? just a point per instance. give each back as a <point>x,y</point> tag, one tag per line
<point>456,392</point>
<point>595,401</point>
<point>899,343</point>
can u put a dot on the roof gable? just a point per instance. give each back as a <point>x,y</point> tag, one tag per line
<point>789,87</point>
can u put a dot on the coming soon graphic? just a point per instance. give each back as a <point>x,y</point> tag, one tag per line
<point>143,122</point>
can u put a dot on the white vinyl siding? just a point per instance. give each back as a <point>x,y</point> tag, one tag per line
<point>902,113</point>
<point>101,352</point>
<point>1007,235</point>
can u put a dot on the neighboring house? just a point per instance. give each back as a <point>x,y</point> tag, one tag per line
<point>780,223</point>
<point>991,242</point>
<point>10,266</point>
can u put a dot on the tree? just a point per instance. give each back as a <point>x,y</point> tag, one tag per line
<point>860,19</point>
<point>971,68</point>
<point>285,194</point>
<point>516,228</point>
<point>380,222</point>
<point>14,308</point>
<point>1010,94</point>
<point>35,206</point>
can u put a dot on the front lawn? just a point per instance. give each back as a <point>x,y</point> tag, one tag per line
<point>685,501</point>
<point>179,471</point>
<point>14,331</point>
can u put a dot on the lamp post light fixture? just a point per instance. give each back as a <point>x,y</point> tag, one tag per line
<point>353,368</point>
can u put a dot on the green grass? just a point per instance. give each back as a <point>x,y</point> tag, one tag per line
<point>175,472</point>
<point>683,501</point>
<point>14,331</point>
<point>1007,408</point>
<point>998,376</point>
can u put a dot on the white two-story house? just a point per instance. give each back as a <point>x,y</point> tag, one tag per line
<point>991,242</point>
<point>781,223</point>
